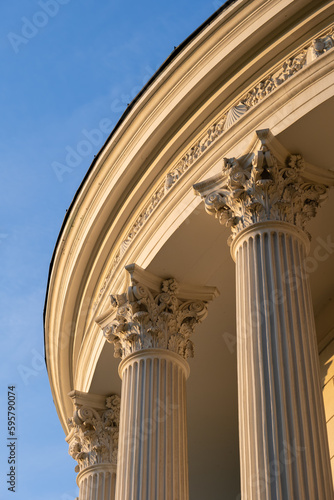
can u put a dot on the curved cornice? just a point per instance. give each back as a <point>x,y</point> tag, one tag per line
<point>176,130</point>
<point>253,97</point>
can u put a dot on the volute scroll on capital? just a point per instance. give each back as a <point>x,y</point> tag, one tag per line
<point>156,313</point>
<point>267,185</point>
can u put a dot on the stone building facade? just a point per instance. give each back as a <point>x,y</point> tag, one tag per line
<point>189,318</point>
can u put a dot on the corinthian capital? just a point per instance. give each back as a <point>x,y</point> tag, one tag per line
<point>93,437</point>
<point>267,185</point>
<point>156,313</point>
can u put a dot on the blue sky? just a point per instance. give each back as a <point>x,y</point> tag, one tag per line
<point>66,65</point>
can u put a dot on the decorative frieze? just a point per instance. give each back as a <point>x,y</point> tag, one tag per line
<point>145,319</point>
<point>261,90</point>
<point>94,433</point>
<point>212,134</point>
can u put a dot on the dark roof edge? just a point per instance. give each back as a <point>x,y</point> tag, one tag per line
<point>170,58</point>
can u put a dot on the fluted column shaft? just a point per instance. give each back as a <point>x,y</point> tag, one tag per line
<point>152,457</point>
<point>97,482</point>
<point>283,442</point>
<point>93,441</point>
<point>151,330</point>
<point>267,197</point>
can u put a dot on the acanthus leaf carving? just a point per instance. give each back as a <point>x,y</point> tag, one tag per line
<point>94,434</point>
<point>264,189</point>
<point>261,90</point>
<point>145,319</point>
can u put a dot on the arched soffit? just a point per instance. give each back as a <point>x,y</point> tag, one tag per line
<point>260,64</point>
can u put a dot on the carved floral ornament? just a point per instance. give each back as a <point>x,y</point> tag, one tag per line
<point>145,320</point>
<point>262,189</point>
<point>260,91</point>
<point>94,434</point>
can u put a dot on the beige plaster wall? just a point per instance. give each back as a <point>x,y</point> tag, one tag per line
<point>327,380</point>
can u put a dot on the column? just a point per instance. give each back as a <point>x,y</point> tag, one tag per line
<point>93,443</point>
<point>151,330</point>
<point>266,198</point>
